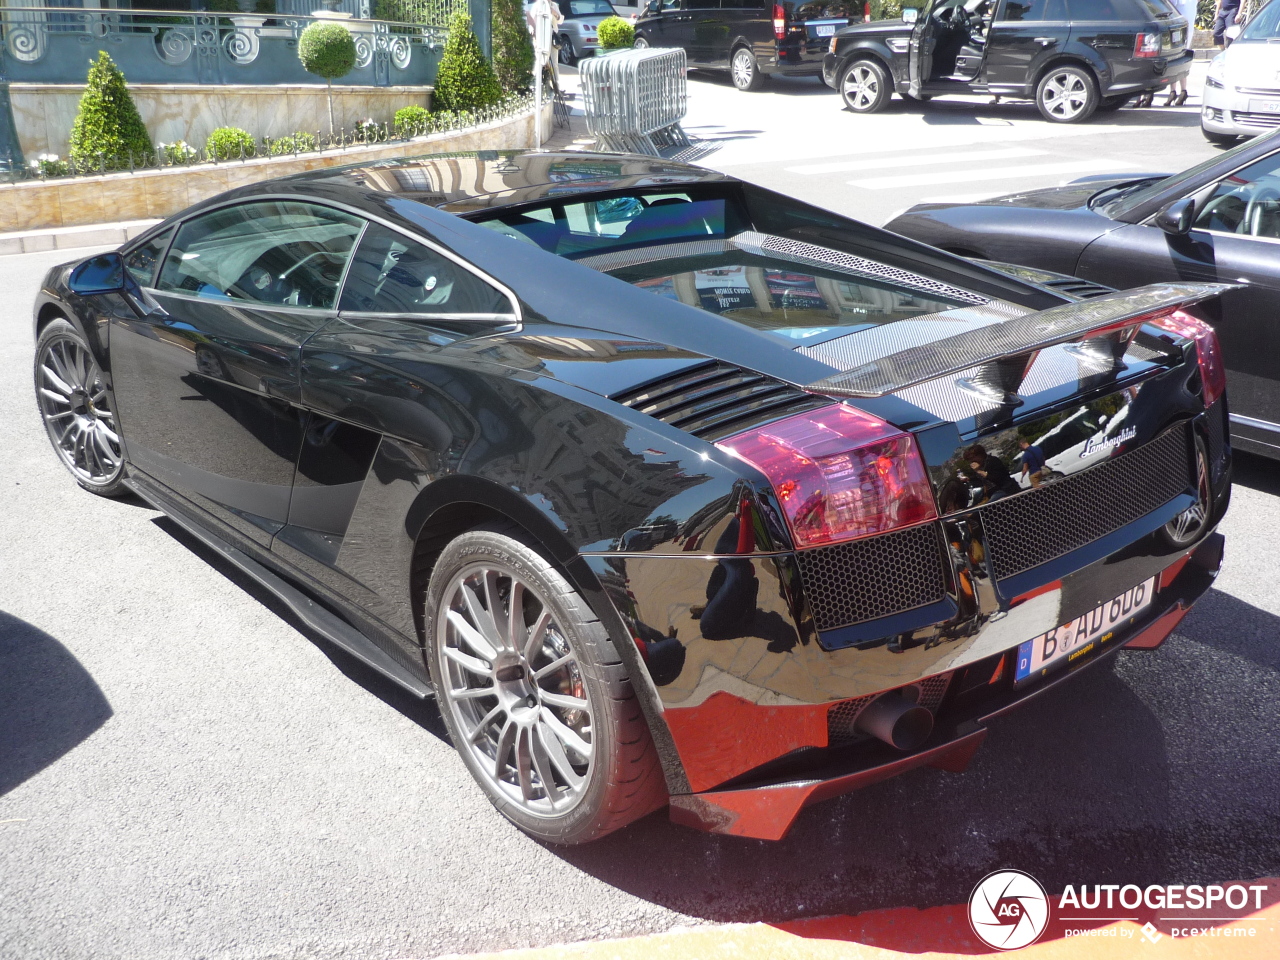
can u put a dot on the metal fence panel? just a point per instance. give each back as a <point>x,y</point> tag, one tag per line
<point>634,100</point>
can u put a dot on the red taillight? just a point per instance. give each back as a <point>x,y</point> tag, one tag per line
<point>779,22</point>
<point>1146,45</point>
<point>839,474</point>
<point>1209,353</point>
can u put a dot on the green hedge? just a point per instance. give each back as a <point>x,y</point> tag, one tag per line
<point>512,47</point>
<point>465,80</point>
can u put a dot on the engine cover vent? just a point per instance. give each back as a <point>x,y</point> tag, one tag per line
<point>713,399</point>
<point>1075,287</point>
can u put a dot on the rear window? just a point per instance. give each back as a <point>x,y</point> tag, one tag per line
<point>571,229</point>
<point>834,9</point>
<point>1152,9</point>
<point>1100,10</point>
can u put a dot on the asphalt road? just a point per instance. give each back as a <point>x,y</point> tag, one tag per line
<point>186,772</point>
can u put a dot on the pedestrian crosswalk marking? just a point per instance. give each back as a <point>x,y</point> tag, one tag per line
<point>929,159</point>
<point>990,173</point>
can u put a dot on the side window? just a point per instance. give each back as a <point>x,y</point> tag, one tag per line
<point>392,274</point>
<point>142,261</point>
<point>1247,202</point>
<point>1094,10</point>
<point>276,251</point>
<point>1029,10</point>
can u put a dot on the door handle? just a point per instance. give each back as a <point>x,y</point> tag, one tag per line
<point>1046,41</point>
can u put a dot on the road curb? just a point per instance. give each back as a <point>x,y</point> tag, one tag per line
<point>69,238</point>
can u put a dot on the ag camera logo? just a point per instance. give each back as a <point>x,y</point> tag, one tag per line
<point>1008,910</point>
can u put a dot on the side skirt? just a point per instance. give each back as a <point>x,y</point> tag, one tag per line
<point>329,625</point>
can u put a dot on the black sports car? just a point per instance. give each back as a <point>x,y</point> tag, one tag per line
<point>671,489</point>
<point>1217,221</point>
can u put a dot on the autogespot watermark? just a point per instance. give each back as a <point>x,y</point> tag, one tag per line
<point>1009,909</point>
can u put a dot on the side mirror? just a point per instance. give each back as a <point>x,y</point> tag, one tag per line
<point>1176,218</point>
<point>100,274</point>
<point>910,14</point>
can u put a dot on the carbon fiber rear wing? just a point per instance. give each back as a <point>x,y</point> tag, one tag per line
<point>997,356</point>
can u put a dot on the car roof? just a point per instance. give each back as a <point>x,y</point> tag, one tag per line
<point>486,179</point>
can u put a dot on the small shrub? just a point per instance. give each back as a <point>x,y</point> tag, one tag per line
<point>230,143</point>
<point>107,131</point>
<point>451,119</point>
<point>411,121</point>
<point>179,153</point>
<point>328,50</point>
<point>614,33</point>
<point>368,131</point>
<point>465,80</point>
<point>50,165</point>
<point>512,46</point>
<point>297,142</point>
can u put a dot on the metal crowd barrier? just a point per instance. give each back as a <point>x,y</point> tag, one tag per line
<point>634,100</point>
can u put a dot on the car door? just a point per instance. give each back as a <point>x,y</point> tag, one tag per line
<point>1023,35</point>
<point>671,27</point>
<point>924,37</point>
<point>1235,239</point>
<point>206,381</point>
<point>708,33</point>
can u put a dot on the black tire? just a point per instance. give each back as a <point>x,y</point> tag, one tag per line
<point>78,410</point>
<point>744,71</point>
<point>568,56</point>
<point>1221,139</point>
<point>622,779</point>
<point>865,86</point>
<point>1112,104</point>
<point>1067,94</point>
<point>640,43</point>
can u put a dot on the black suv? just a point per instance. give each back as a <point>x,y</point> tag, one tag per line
<point>1073,57</point>
<point>749,38</point>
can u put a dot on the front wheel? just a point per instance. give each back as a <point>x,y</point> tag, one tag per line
<point>1067,95</point>
<point>76,407</point>
<point>744,70</point>
<point>640,43</point>
<point>1221,139</point>
<point>865,86</point>
<point>568,56</point>
<point>533,693</point>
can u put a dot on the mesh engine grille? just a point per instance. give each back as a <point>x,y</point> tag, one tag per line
<point>1049,521</point>
<point>842,718</point>
<point>874,577</point>
<point>714,400</point>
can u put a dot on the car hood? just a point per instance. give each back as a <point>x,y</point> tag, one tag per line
<point>1252,64</point>
<point>1073,196</point>
<point>876,28</point>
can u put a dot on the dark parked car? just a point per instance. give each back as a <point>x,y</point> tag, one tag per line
<point>669,488</point>
<point>1217,221</point>
<point>1073,57</point>
<point>751,39</point>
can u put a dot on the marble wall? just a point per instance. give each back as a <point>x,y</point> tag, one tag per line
<point>44,112</point>
<point>38,205</point>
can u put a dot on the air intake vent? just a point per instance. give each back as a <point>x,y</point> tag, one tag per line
<point>1075,287</point>
<point>714,400</point>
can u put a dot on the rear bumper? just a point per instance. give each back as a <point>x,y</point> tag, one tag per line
<point>766,808</point>
<point>1152,75</point>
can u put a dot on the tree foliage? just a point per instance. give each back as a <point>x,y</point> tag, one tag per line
<point>615,33</point>
<point>328,50</point>
<point>465,80</point>
<point>512,47</point>
<point>107,129</point>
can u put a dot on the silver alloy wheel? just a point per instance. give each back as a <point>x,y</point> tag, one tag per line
<point>1190,523</point>
<point>515,690</point>
<point>1065,95</point>
<point>861,86</point>
<point>640,43</point>
<point>73,403</point>
<point>744,68</point>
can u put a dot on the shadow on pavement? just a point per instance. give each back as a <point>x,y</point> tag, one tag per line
<point>1256,472</point>
<point>422,712</point>
<point>791,86</point>
<point>49,704</point>
<point>962,112</point>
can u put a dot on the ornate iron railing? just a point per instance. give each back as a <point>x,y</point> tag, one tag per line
<point>55,45</point>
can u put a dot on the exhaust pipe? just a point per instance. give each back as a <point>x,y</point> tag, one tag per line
<point>897,721</point>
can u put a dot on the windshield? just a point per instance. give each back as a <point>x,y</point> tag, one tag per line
<point>586,8</point>
<point>1157,9</point>
<point>1116,204</point>
<point>1265,26</point>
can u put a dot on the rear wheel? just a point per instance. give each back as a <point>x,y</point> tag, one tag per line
<point>1221,139</point>
<point>533,693</point>
<point>1190,524</point>
<point>865,86</point>
<point>1067,95</point>
<point>640,44</point>
<point>744,70</point>
<point>77,411</point>
<point>568,56</point>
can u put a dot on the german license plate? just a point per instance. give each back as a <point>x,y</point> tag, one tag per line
<point>1178,37</point>
<point>1264,106</point>
<point>825,29</point>
<point>1079,637</point>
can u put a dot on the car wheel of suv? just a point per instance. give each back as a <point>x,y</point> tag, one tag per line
<point>865,86</point>
<point>1111,104</point>
<point>568,56</point>
<point>744,70</point>
<point>1221,139</point>
<point>640,43</point>
<point>1067,95</point>
<point>77,411</point>
<point>533,693</point>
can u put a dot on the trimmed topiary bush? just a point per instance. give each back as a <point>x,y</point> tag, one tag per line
<point>614,33</point>
<point>328,50</point>
<point>411,121</point>
<point>107,131</point>
<point>230,143</point>
<point>512,47</point>
<point>465,80</point>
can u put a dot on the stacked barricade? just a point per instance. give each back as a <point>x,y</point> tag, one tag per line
<point>635,100</point>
